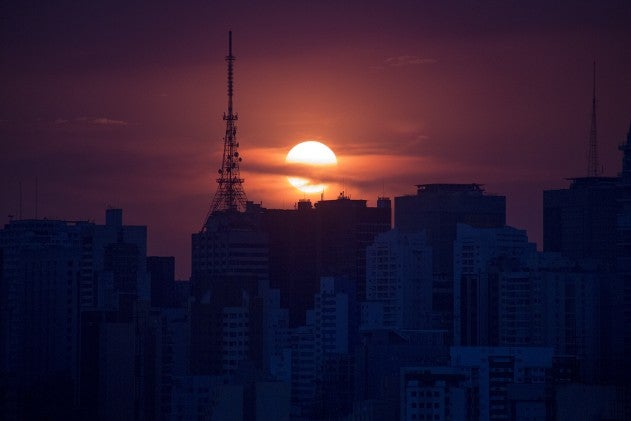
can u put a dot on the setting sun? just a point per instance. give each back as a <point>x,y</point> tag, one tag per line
<point>310,162</point>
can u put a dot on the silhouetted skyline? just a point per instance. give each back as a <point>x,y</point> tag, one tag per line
<point>122,105</point>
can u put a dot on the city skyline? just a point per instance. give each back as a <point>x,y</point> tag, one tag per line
<point>406,95</point>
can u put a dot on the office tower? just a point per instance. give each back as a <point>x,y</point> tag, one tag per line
<point>345,228</point>
<point>322,352</point>
<point>580,221</point>
<point>328,239</point>
<point>335,327</point>
<point>40,316</point>
<point>231,245</point>
<point>570,297</point>
<point>476,290</point>
<point>437,209</point>
<point>119,334</point>
<point>293,267</point>
<point>510,295</point>
<point>399,281</point>
<point>54,274</point>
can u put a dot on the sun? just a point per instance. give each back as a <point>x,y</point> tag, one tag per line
<point>310,162</point>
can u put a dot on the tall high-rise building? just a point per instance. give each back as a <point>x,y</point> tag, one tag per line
<point>40,316</point>
<point>335,326</point>
<point>580,221</point>
<point>476,290</point>
<point>509,294</point>
<point>437,209</point>
<point>310,242</point>
<point>399,280</point>
<point>54,274</point>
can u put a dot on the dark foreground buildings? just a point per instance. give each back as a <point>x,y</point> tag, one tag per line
<point>73,297</point>
<point>324,313</point>
<point>328,239</point>
<point>589,221</point>
<point>437,209</point>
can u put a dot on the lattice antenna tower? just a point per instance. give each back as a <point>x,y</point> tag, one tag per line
<point>593,167</point>
<point>230,195</point>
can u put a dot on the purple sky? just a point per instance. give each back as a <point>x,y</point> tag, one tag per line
<point>118,104</point>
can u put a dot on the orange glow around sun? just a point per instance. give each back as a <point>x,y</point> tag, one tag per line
<point>311,164</point>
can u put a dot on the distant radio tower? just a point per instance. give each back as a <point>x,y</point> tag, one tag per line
<point>229,195</point>
<point>593,168</point>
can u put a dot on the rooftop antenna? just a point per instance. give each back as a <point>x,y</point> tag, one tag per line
<point>230,195</point>
<point>593,168</point>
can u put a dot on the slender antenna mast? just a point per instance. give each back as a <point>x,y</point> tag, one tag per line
<point>593,168</point>
<point>230,195</point>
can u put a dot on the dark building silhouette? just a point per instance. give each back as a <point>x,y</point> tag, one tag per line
<point>328,239</point>
<point>40,315</point>
<point>229,269</point>
<point>56,277</point>
<point>345,228</point>
<point>580,221</point>
<point>162,272</point>
<point>380,359</point>
<point>589,221</point>
<point>437,209</point>
<point>293,266</point>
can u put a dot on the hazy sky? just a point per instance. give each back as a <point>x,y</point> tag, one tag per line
<point>112,104</point>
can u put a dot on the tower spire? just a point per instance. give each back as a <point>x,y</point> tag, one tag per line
<point>593,167</point>
<point>230,195</point>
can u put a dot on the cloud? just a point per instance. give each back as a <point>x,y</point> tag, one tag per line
<point>87,123</point>
<point>409,61</point>
<point>104,121</point>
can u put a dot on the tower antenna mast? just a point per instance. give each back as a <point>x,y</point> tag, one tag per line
<point>593,167</point>
<point>230,195</point>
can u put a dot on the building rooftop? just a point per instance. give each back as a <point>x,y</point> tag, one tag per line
<point>449,188</point>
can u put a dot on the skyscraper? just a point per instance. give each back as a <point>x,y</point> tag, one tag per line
<point>328,239</point>
<point>437,209</point>
<point>39,310</point>
<point>590,221</point>
<point>581,221</point>
<point>399,280</point>
<point>476,288</point>
<point>56,277</point>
